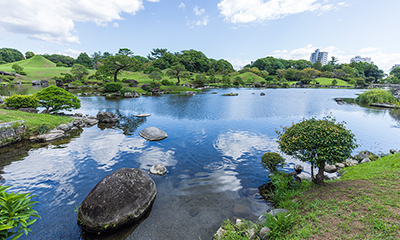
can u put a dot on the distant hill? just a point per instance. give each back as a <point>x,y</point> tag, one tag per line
<point>33,62</point>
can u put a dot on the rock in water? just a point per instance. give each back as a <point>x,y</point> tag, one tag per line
<point>118,199</point>
<point>153,134</point>
<point>158,169</point>
<point>107,117</point>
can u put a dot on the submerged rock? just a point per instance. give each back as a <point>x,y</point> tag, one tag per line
<point>153,134</point>
<point>142,115</point>
<point>118,199</point>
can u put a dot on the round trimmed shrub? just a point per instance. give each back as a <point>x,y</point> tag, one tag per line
<point>125,90</point>
<point>22,101</point>
<point>165,82</point>
<point>377,96</point>
<point>112,87</point>
<point>272,161</point>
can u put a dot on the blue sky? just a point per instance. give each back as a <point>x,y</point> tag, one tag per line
<point>237,30</point>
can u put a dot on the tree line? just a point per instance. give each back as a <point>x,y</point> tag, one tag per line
<point>180,64</point>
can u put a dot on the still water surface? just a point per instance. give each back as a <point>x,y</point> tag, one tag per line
<point>212,154</point>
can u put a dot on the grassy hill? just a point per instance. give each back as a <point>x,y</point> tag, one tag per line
<point>38,68</point>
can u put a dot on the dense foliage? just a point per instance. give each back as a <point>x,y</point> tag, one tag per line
<point>271,161</point>
<point>84,60</point>
<point>377,96</point>
<point>58,58</point>
<point>318,141</point>
<point>112,87</point>
<point>111,66</point>
<point>55,99</point>
<point>8,55</point>
<point>22,101</point>
<point>16,214</point>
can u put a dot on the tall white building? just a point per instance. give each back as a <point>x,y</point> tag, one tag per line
<point>322,57</point>
<point>360,59</point>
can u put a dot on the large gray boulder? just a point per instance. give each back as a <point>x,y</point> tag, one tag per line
<point>118,199</point>
<point>107,117</point>
<point>153,134</point>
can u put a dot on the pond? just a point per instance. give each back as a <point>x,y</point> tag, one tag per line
<point>212,154</point>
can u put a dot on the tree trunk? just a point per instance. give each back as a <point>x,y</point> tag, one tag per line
<point>177,84</point>
<point>116,73</point>
<point>312,172</point>
<point>320,176</point>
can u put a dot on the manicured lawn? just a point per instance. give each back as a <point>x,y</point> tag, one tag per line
<point>33,120</point>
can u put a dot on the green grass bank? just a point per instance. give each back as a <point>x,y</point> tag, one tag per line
<point>362,204</point>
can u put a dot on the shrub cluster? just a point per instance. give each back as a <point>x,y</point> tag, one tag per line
<point>377,96</point>
<point>22,101</point>
<point>112,87</point>
<point>125,90</point>
<point>272,161</point>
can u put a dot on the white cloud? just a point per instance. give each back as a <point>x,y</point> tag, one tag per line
<point>182,5</point>
<point>54,20</point>
<point>238,63</point>
<point>238,11</point>
<point>198,11</point>
<point>116,25</point>
<point>153,0</point>
<point>71,52</point>
<point>203,19</point>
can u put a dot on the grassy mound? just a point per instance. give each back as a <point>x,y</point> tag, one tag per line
<point>377,96</point>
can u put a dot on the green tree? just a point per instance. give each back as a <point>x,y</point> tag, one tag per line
<point>319,142</point>
<point>334,82</point>
<point>178,71</point>
<point>9,55</point>
<point>317,65</point>
<point>55,99</point>
<point>17,68</point>
<point>79,71</point>
<point>155,75</point>
<point>395,72</point>
<point>113,65</point>
<point>200,80</point>
<point>55,58</point>
<point>84,60</point>
<point>16,213</point>
<point>29,54</point>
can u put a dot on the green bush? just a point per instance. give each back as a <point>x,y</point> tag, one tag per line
<point>76,83</point>
<point>54,99</point>
<point>272,161</point>
<point>125,90</point>
<point>112,87</point>
<point>377,96</point>
<point>22,101</point>
<point>60,64</point>
<point>16,214</point>
<point>165,82</point>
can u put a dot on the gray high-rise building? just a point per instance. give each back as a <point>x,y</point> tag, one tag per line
<point>322,57</point>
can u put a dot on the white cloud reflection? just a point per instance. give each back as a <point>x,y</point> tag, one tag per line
<point>235,144</point>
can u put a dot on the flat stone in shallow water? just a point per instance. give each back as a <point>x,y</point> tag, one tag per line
<point>118,199</point>
<point>153,134</point>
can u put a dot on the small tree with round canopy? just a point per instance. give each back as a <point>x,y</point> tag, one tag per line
<point>318,141</point>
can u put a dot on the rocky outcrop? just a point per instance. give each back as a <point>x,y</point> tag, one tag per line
<point>107,117</point>
<point>120,198</point>
<point>35,82</point>
<point>153,134</point>
<point>52,135</point>
<point>11,132</point>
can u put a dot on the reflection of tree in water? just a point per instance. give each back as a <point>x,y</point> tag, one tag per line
<point>128,124</point>
<point>395,113</point>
